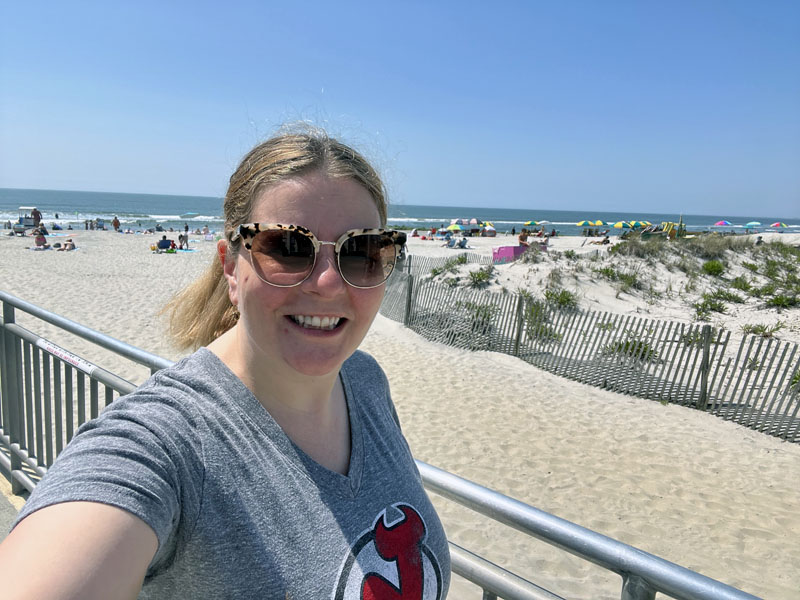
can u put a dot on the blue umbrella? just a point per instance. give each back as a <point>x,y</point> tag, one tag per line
<point>752,224</point>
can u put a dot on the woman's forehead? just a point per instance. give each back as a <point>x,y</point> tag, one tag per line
<point>317,200</point>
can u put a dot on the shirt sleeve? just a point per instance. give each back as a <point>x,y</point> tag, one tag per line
<point>142,455</point>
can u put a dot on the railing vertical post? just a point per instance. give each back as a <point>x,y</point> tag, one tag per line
<point>409,293</point>
<point>12,394</point>
<point>520,323</point>
<point>704,368</point>
<point>5,393</point>
<point>636,588</point>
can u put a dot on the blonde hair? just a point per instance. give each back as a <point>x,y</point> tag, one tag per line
<point>202,311</point>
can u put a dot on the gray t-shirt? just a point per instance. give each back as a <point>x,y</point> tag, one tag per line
<point>239,510</point>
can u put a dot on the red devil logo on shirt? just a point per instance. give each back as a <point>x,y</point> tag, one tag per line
<point>390,561</point>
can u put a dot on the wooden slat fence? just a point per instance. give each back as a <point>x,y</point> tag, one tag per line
<point>423,265</point>
<point>756,384</point>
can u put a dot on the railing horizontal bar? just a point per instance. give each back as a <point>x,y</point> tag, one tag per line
<point>23,455</point>
<point>105,341</point>
<point>100,374</point>
<point>493,578</point>
<point>664,576</point>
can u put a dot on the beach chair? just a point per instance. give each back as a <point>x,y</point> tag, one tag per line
<point>462,243</point>
<point>451,243</point>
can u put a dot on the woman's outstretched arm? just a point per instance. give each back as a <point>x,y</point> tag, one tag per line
<point>76,550</point>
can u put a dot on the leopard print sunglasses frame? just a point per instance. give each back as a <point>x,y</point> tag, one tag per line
<point>355,273</point>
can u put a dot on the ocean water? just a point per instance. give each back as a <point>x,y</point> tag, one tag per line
<point>141,211</point>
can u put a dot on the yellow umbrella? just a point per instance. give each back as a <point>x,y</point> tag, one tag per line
<point>622,225</point>
<point>585,223</point>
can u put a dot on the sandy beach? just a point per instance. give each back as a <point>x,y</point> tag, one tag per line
<point>704,493</point>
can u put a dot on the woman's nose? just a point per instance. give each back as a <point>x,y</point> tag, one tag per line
<point>325,279</point>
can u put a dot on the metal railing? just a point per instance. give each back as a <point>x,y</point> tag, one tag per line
<point>40,412</point>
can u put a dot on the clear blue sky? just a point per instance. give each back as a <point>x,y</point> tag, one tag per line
<point>664,106</point>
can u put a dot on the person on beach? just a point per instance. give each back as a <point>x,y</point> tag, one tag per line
<point>523,237</point>
<point>36,216</point>
<point>68,245</point>
<point>40,242</point>
<point>115,223</point>
<point>269,463</point>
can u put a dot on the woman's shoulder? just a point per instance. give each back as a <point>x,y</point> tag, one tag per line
<point>176,393</point>
<point>362,366</point>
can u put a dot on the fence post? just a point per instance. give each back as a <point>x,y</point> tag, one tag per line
<point>520,323</point>
<point>12,395</point>
<point>409,292</point>
<point>704,368</point>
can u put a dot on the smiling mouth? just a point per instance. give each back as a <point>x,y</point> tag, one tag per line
<point>324,323</point>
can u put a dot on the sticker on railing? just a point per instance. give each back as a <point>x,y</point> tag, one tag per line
<point>66,356</point>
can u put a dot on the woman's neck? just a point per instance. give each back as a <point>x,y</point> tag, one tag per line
<point>278,388</point>
<point>312,411</point>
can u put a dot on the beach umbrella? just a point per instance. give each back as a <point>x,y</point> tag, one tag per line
<point>600,223</point>
<point>778,224</point>
<point>585,223</point>
<point>536,222</point>
<point>637,224</point>
<point>454,227</point>
<point>752,224</point>
<point>488,224</point>
<point>489,227</point>
<point>473,221</point>
<point>722,223</point>
<point>622,225</point>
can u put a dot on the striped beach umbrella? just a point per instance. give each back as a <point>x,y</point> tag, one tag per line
<point>637,224</point>
<point>585,223</point>
<point>722,223</point>
<point>622,225</point>
<point>752,224</point>
<point>454,227</point>
<point>777,224</point>
<point>600,223</point>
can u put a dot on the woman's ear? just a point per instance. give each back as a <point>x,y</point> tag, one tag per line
<point>228,261</point>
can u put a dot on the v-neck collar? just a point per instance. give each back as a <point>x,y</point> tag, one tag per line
<point>251,409</point>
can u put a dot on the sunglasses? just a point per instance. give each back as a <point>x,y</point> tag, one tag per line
<point>285,255</point>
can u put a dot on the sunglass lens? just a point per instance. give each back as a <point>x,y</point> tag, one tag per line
<point>282,257</point>
<point>367,260</point>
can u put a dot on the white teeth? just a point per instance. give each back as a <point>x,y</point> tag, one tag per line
<point>309,322</point>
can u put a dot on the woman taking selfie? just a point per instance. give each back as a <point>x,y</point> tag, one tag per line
<point>269,463</point>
